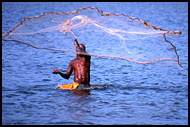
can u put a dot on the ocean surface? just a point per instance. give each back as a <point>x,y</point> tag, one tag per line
<point>154,94</point>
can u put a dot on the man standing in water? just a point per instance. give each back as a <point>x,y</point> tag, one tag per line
<point>81,67</point>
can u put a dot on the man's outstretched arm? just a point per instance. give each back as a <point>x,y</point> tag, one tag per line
<point>67,75</point>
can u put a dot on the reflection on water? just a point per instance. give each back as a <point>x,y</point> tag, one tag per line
<point>81,92</point>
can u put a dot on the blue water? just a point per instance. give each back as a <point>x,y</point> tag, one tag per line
<point>137,94</point>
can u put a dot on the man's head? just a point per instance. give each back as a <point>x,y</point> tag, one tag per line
<point>80,47</point>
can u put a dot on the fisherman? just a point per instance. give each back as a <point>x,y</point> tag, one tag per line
<point>81,67</point>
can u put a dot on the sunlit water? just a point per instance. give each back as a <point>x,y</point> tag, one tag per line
<point>137,94</point>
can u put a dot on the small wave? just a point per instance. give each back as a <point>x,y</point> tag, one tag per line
<point>46,79</point>
<point>26,92</point>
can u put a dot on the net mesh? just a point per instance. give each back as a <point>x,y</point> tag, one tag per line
<point>107,35</point>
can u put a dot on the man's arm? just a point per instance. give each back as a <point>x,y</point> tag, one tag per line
<point>67,75</point>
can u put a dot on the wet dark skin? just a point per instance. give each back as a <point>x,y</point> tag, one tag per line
<point>80,65</point>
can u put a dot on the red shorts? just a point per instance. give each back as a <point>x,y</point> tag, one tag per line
<point>69,86</point>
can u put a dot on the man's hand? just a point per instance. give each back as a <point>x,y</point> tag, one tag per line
<point>55,71</point>
<point>77,44</point>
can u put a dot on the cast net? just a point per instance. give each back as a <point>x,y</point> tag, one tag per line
<point>107,35</point>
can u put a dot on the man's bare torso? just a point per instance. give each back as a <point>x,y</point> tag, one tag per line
<point>81,66</point>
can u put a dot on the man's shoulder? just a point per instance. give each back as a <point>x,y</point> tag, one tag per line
<point>73,61</point>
